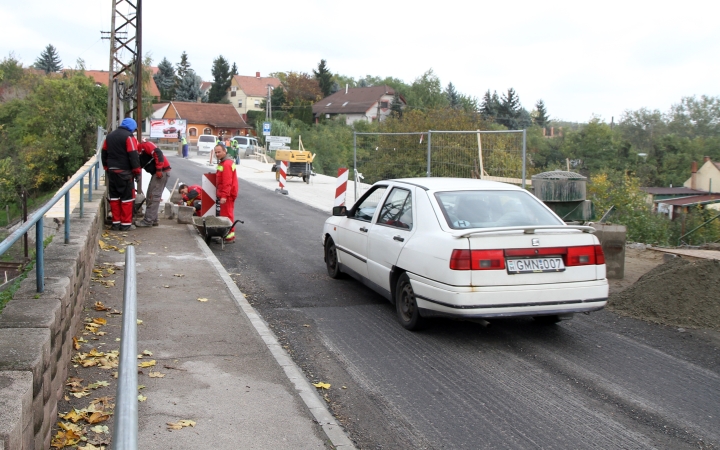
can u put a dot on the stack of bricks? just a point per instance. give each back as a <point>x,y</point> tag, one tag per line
<point>37,330</point>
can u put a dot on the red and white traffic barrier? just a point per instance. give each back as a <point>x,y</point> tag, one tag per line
<point>282,171</point>
<point>341,187</point>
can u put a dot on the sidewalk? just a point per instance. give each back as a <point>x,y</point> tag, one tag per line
<point>211,359</point>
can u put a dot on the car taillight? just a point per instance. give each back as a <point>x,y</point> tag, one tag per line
<point>581,256</point>
<point>599,255</point>
<point>477,260</point>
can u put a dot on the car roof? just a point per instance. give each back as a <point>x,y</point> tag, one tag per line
<point>455,184</point>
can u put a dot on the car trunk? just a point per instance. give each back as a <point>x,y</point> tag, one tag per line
<point>516,259</point>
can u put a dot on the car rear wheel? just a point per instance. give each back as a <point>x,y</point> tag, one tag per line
<point>331,259</point>
<point>406,306</point>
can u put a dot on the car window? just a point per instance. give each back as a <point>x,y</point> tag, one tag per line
<point>397,209</point>
<point>365,210</point>
<point>206,138</point>
<point>242,141</point>
<point>488,209</point>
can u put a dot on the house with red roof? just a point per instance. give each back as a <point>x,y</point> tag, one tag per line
<point>247,93</point>
<point>363,103</point>
<point>218,119</point>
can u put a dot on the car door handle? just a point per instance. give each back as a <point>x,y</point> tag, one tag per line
<point>363,229</point>
<point>399,239</point>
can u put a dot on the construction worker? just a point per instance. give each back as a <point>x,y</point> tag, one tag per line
<point>185,151</point>
<point>190,196</point>
<point>122,164</point>
<point>226,187</point>
<point>157,165</point>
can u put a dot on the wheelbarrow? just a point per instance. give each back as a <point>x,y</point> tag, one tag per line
<point>214,226</point>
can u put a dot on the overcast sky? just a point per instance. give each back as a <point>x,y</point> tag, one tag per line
<point>581,60</point>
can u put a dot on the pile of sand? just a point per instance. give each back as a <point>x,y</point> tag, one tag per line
<point>677,293</point>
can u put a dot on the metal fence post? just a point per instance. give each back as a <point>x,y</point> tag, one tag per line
<point>125,432</point>
<point>67,217</point>
<point>524,149</point>
<point>429,151</point>
<point>90,185</point>
<point>82,189</point>
<point>39,257</point>
<point>97,175</point>
<point>355,177</point>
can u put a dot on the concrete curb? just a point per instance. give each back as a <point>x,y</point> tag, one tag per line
<point>307,392</point>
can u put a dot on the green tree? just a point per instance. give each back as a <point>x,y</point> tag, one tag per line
<point>426,92</point>
<point>490,106</point>
<point>165,79</point>
<point>234,70</point>
<point>541,117</point>
<point>49,61</point>
<point>324,78</point>
<point>510,109</point>
<point>188,90</point>
<point>183,67</point>
<point>453,97</point>
<point>396,107</point>
<point>592,149</point>
<point>221,80</point>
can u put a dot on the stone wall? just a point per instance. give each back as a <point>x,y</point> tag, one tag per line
<point>37,330</point>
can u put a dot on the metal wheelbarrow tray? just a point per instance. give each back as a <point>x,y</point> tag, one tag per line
<point>212,226</point>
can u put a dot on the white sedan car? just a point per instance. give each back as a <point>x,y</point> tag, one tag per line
<point>465,248</point>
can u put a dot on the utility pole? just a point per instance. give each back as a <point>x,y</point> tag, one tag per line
<point>125,71</point>
<point>268,104</point>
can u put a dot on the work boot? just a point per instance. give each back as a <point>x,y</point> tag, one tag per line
<point>143,224</point>
<point>115,227</point>
<point>155,224</point>
<point>127,227</point>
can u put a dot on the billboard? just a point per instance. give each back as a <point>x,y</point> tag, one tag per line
<point>167,128</point>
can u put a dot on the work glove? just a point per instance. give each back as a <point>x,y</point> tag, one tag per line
<point>158,174</point>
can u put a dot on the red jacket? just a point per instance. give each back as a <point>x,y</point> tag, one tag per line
<point>226,182</point>
<point>192,194</point>
<point>152,158</point>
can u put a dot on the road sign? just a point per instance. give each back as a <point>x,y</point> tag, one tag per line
<point>282,139</point>
<point>276,145</point>
<point>266,128</point>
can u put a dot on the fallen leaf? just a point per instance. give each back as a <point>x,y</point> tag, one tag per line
<point>141,387</point>
<point>202,299</point>
<point>179,275</point>
<point>180,424</point>
<point>97,417</point>
<point>100,321</point>
<point>100,429</point>
<point>322,385</point>
<point>102,244</point>
<point>156,375</point>
<point>122,250</point>
<point>139,322</point>
<point>90,446</point>
<point>306,326</point>
<point>151,253</point>
<point>80,394</point>
<point>141,398</point>
<point>147,363</point>
<point>98,384</point>
<point>99,306</point>
<point>76,345</point>
<point>73,415</point>
<point>166,286</point>
<point>97,270</point>
<point>110,271</point>
<point>147,353</point>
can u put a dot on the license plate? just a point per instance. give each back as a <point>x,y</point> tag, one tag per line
<point>535,265</point>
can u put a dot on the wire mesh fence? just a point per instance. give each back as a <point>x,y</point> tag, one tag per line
<point>495,155</point>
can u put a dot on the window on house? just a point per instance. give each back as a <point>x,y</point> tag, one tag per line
<point>383,104</point>
<point>207,130</point>
<point>193,131</point>
<point>257,103</point>
<point>232,93</point>
<point>345,103</point>
<point>239,103</point>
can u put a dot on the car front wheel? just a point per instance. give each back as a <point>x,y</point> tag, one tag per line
<point>331,259</point>
<point>406,306</point>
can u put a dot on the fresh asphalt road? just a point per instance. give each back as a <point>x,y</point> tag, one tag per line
<point>597,381</point>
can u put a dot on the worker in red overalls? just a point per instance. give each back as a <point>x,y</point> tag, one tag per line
<point>122,165</point>
<point>191,196</point>
<point>226,187</point>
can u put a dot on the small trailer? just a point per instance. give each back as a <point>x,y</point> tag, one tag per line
<point>299,163</point>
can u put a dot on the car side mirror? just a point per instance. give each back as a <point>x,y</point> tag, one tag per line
<point>339,211</point>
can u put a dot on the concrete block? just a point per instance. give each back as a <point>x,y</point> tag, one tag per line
<point>15,409</point>
<point>33,313</point>
<point>612,238</point>
<point>170,211</point>
<point>26,349</point>
<point>185,214</point>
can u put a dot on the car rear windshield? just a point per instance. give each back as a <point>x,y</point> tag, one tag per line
<point>206,139</point>
<point>489,209</point>
<point>242,141</point>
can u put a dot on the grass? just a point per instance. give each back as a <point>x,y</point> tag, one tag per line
<point>7,293</point>
<point>14,210</point>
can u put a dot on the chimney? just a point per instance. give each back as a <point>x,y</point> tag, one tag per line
<point>346,88</point>
<point>257,74</point>
<point>706,159</point>
<point>693,175</point>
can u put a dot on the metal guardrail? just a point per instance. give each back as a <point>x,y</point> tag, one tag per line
<point>125,431</point>
<point>36,218</point>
